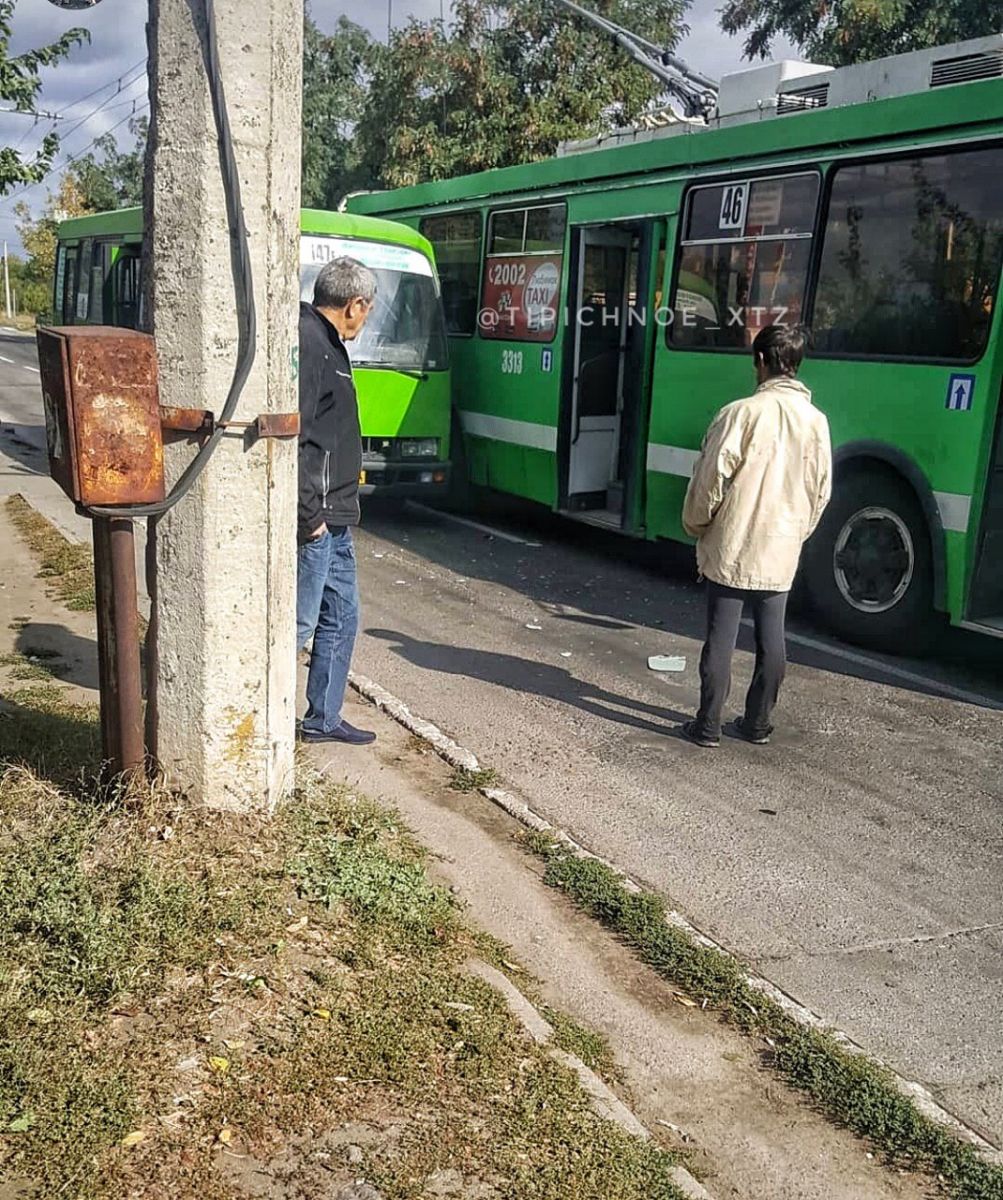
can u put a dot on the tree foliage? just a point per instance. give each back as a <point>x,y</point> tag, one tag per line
<point>20,85</point>
<point>109,178</point>
<point>336,75</point>
<point>848,31</point>
<point>505,82</point>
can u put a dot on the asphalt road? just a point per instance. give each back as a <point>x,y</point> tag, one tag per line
<point>857,861</point>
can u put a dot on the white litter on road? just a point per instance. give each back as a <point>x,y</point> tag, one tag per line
<point>667,662</point>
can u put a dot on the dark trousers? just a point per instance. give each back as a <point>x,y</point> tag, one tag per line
<point>724,615</point>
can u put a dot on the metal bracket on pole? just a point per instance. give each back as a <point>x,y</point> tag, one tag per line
<point>202,422</point>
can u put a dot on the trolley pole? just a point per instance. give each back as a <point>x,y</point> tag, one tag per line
<point>223,678</point>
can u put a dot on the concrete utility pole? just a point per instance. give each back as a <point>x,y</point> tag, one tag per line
<point>224,605</point>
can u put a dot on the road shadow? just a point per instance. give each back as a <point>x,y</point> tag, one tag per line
<point>589,576</point>
<point>25,445</point>
<point>527,677</point>
<point>65,655</point>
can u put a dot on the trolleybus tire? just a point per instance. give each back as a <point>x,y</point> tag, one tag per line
<point>869,567</point>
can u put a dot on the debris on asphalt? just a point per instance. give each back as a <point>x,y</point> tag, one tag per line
<point>532,625</point>
<point>667,662</point>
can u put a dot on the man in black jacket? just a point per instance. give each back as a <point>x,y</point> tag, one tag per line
<point>330,461</point>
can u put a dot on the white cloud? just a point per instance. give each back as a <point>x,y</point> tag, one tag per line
<point>710,50</point>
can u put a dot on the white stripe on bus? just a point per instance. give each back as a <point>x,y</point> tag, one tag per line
<point>671,460</point>
<point>954,509</point>
<point>504,429</point>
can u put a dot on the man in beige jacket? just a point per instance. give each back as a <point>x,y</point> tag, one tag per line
<point>758,490</point>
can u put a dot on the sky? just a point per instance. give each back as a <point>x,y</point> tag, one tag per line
<point>101,85</point>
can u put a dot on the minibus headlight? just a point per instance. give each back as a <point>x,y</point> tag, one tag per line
<point>419,447</point>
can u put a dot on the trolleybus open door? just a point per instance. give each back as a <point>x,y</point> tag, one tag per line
<point>600,338</point>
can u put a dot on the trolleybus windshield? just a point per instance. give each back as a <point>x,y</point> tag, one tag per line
<point>405,330</point>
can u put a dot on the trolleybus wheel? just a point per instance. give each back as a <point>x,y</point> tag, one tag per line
<point>869,566</point>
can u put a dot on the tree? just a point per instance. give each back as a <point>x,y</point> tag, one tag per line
<point>336,73</point>
<point>20,85</point>
<point>505,83</point>
<point>848,31</point>
<point>109,178</point>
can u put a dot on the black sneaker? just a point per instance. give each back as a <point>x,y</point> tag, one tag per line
<point>692,733</point>
<point>344,733</point>
<point>755,737</point>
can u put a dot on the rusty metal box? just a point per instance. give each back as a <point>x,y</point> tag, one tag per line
<point>102,415</point>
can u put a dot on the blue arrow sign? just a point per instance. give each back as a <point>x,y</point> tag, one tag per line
<point>960,390</point>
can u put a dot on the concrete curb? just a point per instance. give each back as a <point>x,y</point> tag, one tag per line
<point>459,756</point>
<point>604,1100</point>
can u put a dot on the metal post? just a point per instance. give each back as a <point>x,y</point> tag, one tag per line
<point>119,666</point>
<point>390,20</point>
<point>6,279</point>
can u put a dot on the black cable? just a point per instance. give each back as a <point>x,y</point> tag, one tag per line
<point>240,260</point>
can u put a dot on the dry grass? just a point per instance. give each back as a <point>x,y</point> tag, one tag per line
<point>190,999</point>
<point>68,568</point>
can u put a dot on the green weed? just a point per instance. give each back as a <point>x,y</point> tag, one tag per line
<point>464,780</point>
<point>853,1090</point>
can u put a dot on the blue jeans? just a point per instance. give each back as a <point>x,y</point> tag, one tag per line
<point>327,608</point>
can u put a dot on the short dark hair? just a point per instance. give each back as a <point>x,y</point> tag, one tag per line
<point>782,348</point>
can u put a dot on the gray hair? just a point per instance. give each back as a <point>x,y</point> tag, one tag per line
<point>341,281</point>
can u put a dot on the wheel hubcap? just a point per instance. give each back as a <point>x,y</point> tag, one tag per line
<point>874,560</point>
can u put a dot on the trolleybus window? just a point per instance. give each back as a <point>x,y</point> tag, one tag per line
<point>127,287</point>
<point>522,273</point>
<point>457,241</point>
<point>743,262</point>
<point>911,259</point>
<point>405,330</point>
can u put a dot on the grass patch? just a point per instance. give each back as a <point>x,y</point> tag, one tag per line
<point>584,1043</point>
<point>849,1088</point>
<point>22,668</point>
<point>464,780</point>
<point>173,980</point>
<point>59,741</point>
<point>68,567</point>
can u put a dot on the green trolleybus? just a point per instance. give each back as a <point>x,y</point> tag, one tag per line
<point>600,307</point>
<point>401,357</point>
